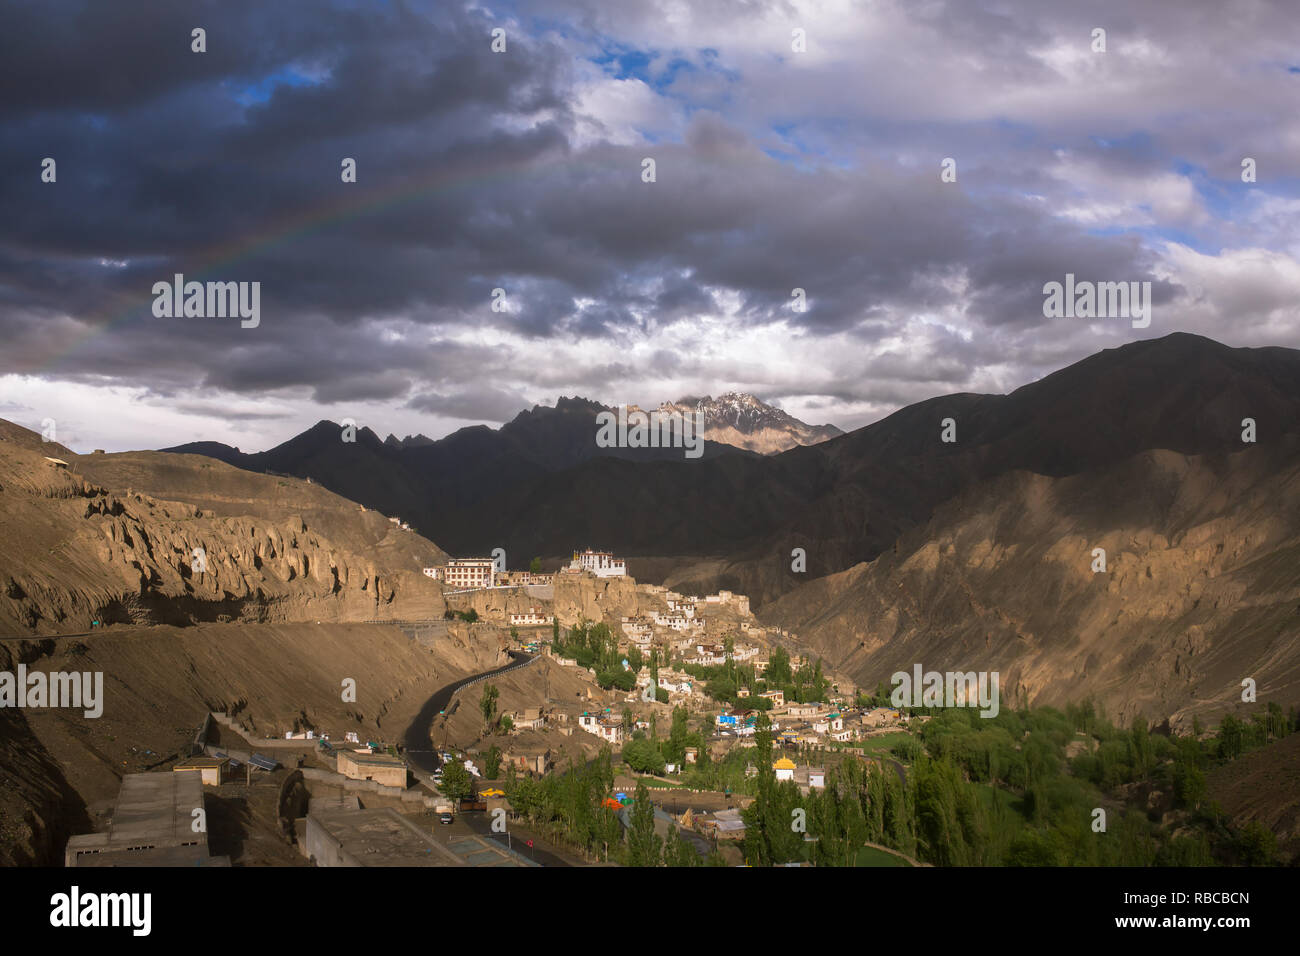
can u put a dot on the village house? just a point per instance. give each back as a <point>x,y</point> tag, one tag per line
<point>635,627</point>
<point>532,617</point>
<point>685,608</point>
<point>817,778</point>
<point>522,579</point>
<point>674,684</point>
<point>775,696</point>
<point>739,721</point>
<point>211,770</point>
<point>381,768</point>
<point>536,759</point>
<point>562,661</point>
<point>606,728</point>
<point>530,718</point>
<point>881,717</point>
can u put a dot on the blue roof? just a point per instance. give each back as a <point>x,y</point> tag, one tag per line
<point>263,763</point>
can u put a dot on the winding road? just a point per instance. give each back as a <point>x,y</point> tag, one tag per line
<point>421,755</point>
<point>417,741</point>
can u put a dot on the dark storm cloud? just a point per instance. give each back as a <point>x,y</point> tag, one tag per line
<point>479,171</point>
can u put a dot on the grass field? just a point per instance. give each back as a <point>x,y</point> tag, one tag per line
<point>870,856</point>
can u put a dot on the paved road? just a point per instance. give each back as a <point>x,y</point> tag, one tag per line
<point>416,740</point>
<point>417,743</point>
<point>481,823</point>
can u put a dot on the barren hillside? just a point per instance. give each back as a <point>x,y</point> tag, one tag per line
<point>160,681</point>
<point>1202,587</point>
<point>112,538</point>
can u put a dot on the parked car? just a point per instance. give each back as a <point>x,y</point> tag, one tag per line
<point>445,817</point>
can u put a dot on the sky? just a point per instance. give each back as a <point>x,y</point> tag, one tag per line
<point>796,145</point>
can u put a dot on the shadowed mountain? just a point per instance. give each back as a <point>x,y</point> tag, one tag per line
<point>539,485</point>
<point>1200,587</point>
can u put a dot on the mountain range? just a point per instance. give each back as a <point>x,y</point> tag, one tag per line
<point>539,486</point>
<point>743,421</point>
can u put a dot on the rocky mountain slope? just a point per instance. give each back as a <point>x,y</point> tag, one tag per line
<point>743,421</point>
<point>1201,587</point>
<point>112,538</point>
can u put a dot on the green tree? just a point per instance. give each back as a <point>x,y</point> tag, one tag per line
<point>778,668</point>
<point>1230,737</point>
<point>492,762</point>
<point>488,705</point>
<point>535,566</point>
<point>644,846</point>
<point>643,756</point>
<point>456,780</point>
<point>1256,844</point>
<point>678,852</point>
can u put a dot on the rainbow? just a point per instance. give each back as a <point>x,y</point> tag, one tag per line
<point>348,207</point>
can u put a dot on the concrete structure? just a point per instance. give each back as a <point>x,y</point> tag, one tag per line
<point>338,836</point>
<point>211,770</point>
<point>154,824</point>
<point>381,768</point>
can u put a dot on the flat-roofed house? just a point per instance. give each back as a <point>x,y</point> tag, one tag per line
<point>211,770</point>
<point>382,768</point>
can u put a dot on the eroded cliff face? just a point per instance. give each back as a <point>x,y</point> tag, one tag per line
<point>77,551</point>
<point>580,597</point>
